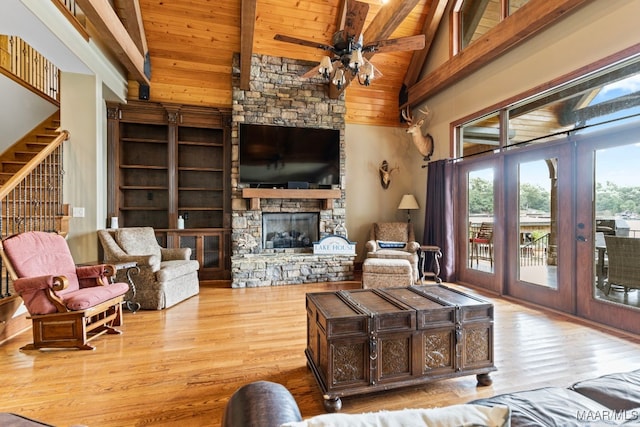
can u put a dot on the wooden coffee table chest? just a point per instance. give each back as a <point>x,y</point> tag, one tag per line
<point>367,340</point>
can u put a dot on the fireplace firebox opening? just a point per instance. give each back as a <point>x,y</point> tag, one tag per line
<point>290,230</point>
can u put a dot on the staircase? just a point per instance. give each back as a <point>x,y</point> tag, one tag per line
<point>31,182</point>
<point>31,170</point>
<point>31,173</point>
<point>17,156</point>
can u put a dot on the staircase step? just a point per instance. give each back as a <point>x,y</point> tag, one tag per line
<point>46,135</point>
<point>12,165</point>
<point>35,145</point>
<point>24,155</point>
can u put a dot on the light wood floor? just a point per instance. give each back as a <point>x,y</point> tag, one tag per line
<point>179,366</point>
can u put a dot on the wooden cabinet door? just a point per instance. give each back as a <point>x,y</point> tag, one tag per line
<point>207,247</point>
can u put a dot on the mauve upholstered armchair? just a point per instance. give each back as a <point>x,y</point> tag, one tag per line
<point>394,240</point>
<point>69,305</point>
<point>167,275</point>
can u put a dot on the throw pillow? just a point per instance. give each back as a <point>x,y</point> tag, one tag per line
<point>464,415</point>
<point>384,244</point>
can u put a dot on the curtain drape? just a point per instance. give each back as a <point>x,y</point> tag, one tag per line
<point>438,229</point>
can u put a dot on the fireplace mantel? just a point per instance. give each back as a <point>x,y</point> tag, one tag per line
<point>255,194</point>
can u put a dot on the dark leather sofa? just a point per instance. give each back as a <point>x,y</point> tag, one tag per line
<point>607,400</point>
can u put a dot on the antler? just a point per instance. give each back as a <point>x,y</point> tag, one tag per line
<point>406,114</point>
<point>426,112</point>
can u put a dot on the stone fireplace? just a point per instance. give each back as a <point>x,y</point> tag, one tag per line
<point>278,96</point>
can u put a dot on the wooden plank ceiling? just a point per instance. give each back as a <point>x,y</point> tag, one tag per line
<point>191,44</point>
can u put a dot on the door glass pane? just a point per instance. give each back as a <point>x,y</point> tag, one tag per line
<point>537,225</point>
<point>480,215</point>
<point>617,225</point>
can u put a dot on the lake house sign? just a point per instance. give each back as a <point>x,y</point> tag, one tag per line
<point>334,245</point>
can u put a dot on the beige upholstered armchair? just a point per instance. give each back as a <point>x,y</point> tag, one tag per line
<point>167,276</point>
<point>394,240</point>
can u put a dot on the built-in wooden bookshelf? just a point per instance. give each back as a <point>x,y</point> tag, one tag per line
<point>166,161</point>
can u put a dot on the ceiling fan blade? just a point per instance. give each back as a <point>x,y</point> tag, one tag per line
<point>356,15</point>
<point>302,42</point>
<point>396,45</point>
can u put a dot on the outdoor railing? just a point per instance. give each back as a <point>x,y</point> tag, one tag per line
<point>534,252</point>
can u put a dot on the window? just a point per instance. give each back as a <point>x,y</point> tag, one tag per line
<point>595,100</point>
<point>473,18</point>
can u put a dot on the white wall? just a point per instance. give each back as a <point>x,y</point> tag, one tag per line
<point>82,114</point>
<point>367,202</point>
<point>15,126</point>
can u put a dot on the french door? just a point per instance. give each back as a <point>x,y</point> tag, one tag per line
<point>550,209</point>
<point>539,255</point>
<point>608,196</point>
<point>479,259</point>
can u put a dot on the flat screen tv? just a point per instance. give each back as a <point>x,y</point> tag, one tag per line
<point>281,156</point>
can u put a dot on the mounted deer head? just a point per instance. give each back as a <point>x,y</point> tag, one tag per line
<point>385,174</point>
<point>424,143</point>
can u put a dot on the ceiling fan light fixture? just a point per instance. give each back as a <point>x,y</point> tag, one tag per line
<point>366,74</point>
<point>326,68</point>
<point>356,61</point>
<point>338,78</point>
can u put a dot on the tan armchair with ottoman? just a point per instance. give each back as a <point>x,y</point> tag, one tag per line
<point>167,275</point>
<point>393,242</point>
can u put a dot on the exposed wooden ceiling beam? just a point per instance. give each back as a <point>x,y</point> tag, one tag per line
<point>341,15</point>
<point>129,12</point>
<point>381,27</point>
<point>116,37</point>
<point>247,25</point>
<point>431,24</point>
<point>532,18</point>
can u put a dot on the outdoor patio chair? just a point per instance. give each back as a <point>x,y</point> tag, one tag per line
<point>623,268</point>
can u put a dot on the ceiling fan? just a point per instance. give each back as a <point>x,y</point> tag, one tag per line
<point>348,47</point>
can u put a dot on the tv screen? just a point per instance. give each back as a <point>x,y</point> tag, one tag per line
<point>273,156</point>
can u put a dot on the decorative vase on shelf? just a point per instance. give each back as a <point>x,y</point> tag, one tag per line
<point>180,222</point>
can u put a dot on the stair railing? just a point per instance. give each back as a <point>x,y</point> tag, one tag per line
<point>28,67</point>
<point>31,200</point>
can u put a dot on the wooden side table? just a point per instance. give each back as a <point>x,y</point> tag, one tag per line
<point>434,270</point>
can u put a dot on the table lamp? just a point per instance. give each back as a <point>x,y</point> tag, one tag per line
<point>409,203</point>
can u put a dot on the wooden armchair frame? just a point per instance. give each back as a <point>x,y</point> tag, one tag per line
<point>68,328</point>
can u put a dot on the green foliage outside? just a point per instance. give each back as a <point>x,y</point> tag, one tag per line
<point>611,199</point>
<point>532,197</point>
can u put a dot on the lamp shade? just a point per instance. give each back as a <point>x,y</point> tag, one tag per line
<point>408,202</point>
